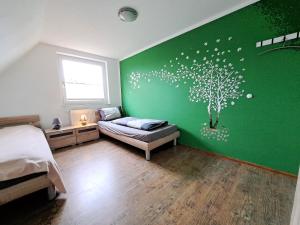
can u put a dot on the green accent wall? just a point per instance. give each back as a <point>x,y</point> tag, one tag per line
<point>263,130</point>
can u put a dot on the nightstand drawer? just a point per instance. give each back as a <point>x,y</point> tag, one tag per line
<point>86,130</point>
<point>61,138</point>
<point>62,142</point>
<point>87,136</point>
<point>61,134</point>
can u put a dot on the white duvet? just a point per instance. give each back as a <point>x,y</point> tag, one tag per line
<point>23,151</point>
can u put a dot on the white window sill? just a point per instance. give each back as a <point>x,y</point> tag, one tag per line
<point>85,103</point>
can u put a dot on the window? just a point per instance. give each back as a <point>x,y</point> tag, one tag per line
<point>84,80</point>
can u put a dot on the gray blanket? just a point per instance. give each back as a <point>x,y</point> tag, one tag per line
<point>142,124</point>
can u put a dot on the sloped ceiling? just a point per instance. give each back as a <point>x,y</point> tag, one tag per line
<point>93,25</point>
<point>21,24</point>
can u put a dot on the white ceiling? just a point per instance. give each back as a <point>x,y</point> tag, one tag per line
<point>93,25</point>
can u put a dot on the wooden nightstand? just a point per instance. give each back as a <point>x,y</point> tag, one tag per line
<point>72,135</point>
<point>88,132</point>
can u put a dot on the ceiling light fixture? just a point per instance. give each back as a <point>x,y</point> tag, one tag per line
<point>127,14</point>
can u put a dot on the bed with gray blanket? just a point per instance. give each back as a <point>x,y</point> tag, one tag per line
<point>146,134</point>
<point>139,134</point>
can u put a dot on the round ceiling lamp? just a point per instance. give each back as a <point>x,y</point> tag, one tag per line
<point>128,14</point>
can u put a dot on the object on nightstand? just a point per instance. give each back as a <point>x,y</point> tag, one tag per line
<point>56,124</point>
<point>83,119</point>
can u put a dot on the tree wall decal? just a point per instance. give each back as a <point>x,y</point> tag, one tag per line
<point>214,77</point>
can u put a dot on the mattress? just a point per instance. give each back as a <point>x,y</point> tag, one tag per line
<point>142,135</point>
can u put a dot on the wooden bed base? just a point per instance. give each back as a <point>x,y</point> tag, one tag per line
<point>34,184</point>
<point>27,187</point>
<point>146,146</point>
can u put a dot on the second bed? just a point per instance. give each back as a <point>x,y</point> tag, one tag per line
<point>145,140</point>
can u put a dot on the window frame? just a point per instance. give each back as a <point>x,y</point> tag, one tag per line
<point>83,102</point>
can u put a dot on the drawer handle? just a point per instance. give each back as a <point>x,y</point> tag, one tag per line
<point>87,130</point>
<point>61,135</point>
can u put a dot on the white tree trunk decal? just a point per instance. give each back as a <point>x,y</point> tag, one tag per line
<point>213,79</point>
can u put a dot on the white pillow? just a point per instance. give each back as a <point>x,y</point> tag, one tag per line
<point>110,113</point>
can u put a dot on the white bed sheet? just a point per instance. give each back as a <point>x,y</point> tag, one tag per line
<point>24,150</point>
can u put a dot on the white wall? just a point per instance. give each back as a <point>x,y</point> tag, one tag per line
<point>295,218</point>
<point>32,85</point>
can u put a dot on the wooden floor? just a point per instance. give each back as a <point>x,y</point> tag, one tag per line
<point>111,183</point>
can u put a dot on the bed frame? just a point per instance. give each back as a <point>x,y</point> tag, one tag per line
<point>146,146</point>
<point>32,185</point>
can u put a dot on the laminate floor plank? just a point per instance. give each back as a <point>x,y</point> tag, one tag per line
<point>111,183</point>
